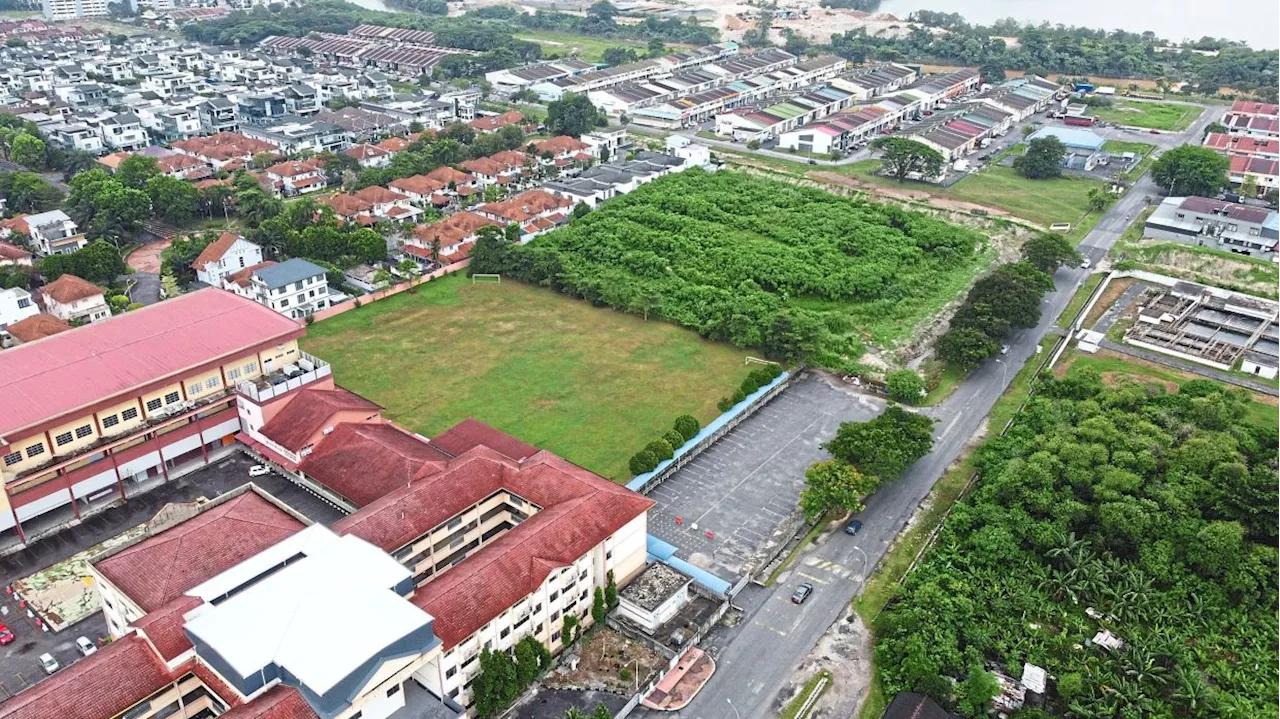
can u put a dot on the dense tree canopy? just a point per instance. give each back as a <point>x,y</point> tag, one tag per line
<point>1042,159</point>
<point>1155,510</point>
<point>886,445</point>
<point>901,157</point>
<point>1191,170</point>
<point>756,262</point>
<point>572,115</point>
<point>1006,298</point>
<point>28,192</point>
<point>1048,251</point>
<point>96,262</point>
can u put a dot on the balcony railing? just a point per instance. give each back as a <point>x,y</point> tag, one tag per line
<point>306,370</point>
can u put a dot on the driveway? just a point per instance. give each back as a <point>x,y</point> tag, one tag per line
<point>145,263</point>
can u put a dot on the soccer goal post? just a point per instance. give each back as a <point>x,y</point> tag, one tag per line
<point>486,278</point>
<point>757,360</point>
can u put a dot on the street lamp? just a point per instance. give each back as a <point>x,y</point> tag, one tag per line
<point>1004,372</point>
<point>735,709</point>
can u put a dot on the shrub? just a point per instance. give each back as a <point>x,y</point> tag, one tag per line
<point>643,461</point>
<point>661,449</point>
<point>904,386</point>
<point>687,425</point>
<point>674,438</point>
<point>624,674</point>
<point>725,404</point>
<point>739,396</point>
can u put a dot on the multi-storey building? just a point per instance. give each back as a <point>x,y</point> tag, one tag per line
<point>74,300</point>
<point>229,253</point>
<point>294,288</point>
<point>92,412</point>
<point>57,10</point>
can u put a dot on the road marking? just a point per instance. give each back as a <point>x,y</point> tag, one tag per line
<point>807,576</point>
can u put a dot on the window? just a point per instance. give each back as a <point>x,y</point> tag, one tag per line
<point>12,458</point>
<point>233,373</point>
<point>284,302</point>
<point>456,521</point>
<point>153,405</point>
<point>128,414</point>
<point>555,595</point>
<point>35,450</point>
<point>504,633</point>
<point>250,367</point>
<point>24,303</point>
<point>297,286</point>
<point>85,431</point>
<point>1231,227</point>
<point>211,383</point>
<point>196,388</point>
<point>172,397</point>
<point>64,438</point>
<point>555,636</point>
<point>449,674</point>
<point>392,691</point>
<point>111,420</point>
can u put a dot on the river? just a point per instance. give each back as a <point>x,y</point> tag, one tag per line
<point>1253,21</point>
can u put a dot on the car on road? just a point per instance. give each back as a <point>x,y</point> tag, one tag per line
<point>801,593</point>
<point>85,646</point>
<point>1154,132</point>
<point>6,635</point>
<point>1004,349</point>
<point>50,664</point>
<point>258,470</point>
<point>853,527</point>
<point>1084,264</point>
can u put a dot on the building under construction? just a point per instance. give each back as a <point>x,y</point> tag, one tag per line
<point>1210,326</point>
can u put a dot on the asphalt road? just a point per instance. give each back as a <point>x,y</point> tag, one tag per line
<point>776,635</point>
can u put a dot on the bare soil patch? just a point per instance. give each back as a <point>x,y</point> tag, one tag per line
<point>1108,298</point>
<point>609,661</point>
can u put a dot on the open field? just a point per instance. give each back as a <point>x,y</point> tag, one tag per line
<point>589,384</point>
<point>586,47</point>
<point>1154,115</point>
<point>1079,298</point>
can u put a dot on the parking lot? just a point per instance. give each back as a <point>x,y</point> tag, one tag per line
<point>728,508</point>
<point>19,661</point>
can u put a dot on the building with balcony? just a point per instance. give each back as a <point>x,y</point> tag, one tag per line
<point>51,233</point>
<point>229,253</point>
<point>16,304</point>
<point>94,412</point>
<point>74,300</point>
<point>294,288</point>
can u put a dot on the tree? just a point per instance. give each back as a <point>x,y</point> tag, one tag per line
<point>618,55</point>
<point>1048,251</point>
<point>656,47</point>
<point>601,712</point>
<point>183,251</point>
<point>496,685</point>
<point>992,71</point>
<point>643,461</point>
<point>580,210</point>
<point>900,157</point>
<point>598,610</point>
<point>834,486</point>
<point>175,201</point>
<point>97,262</point>
<point>610,591</point>
<point>794,43</point>
<point>570,630</point>
<point>1098,198</point>
<point>1042,160</point>
<point>977,691</point>
<point>28,192</point>
<point>886,445</point>
<point>136,170</point>
<point>687,425</point>
<point>905,385</point>
<point>383,279</point>
<point>1191,170</point>
<point>661,449</point>
<point>28,150</point>
<point>965,348</point>
<point>572,115</point>
<point>1027,130</point>
<point>253,204</point>
<point>1249,186</point>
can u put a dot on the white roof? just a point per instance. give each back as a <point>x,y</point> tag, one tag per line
<point>296,617</point>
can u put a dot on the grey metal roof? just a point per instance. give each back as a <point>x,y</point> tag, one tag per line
<point>288,272</point>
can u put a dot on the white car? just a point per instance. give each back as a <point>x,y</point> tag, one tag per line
<point>1084,264</point>
<point>258,470</point>
<point>49,663</point>
<point>85,646</point>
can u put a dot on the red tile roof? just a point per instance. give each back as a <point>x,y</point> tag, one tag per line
<point>1250,107</point>
<point>463,436</point>
<point>453,229</point>
<point>560,145</point>
<point>418,185</point>
<point>164,627</point>
<point>362,462</point>
<point>293,168</point>
<point>105,684</point>
<point>346,205</point>
<point>160,568</point>
<point>241,277</point>
<point>310,410</point>
<point>380,195</point>
<point>73,370</point>
<point>69,288</point>
<point>448,174</point>
<point>36,327</point>
<point>365,152</point>
<point>17,223</point>
<point>526,205</point>
<point>579,510</point>
<point>278,702</point>
<point>224,146</point>
<point>215,250</point>
<point>496,122</point>
<point>394,144</point>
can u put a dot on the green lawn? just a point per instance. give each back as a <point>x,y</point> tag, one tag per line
<point>591,385</point>
<point>586,47</point>
<point>1119,147</point>
<point>1154,115</point>
<point>1044,202</point>
<point>1079,298</point>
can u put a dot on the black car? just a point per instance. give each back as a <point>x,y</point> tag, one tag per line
<point>801,593</point>
<point>853,527</point>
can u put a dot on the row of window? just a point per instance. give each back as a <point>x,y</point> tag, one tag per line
<point>198,388</point>
<point>80,433</point>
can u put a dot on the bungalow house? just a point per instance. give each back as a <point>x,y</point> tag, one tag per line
<point>535,211</point>
<point>294,177</point>
<point>35,327</point>
<point>13,255</point>
<point>451,237</point>
<point>389,204</point>
<point>229,253</point>
<point>394,145</point>
<point>457,183</point>
<point>183,167</point>
<point>349,208</point>
<point>224,150</point>
<point>124,132</point>
<point>493,123</point>
<point>72,300</point>
<point>422,190</point>
<point>563,151</point>
<point>368,155</point>
<point>51,233</point>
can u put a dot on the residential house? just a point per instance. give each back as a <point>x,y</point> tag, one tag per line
<point>457,183</point>
<point>389,204</point>
<point>35,327</point>
<point>1255,119</point>
<point>294,288</point>
<point>493,123</point>
<point>535,211</point>
<point>183,167</point>
<point>349,208</point>
<point>229,253</point>
<point>11,254</point>
<point>74,300</point>
<point>75,136</point>
<point>224,150</point>
<point>563,151</point>
<point>293,135</point>
<point>368,155</point>
<point>449,240</point>
<point>124,131</point>
<point>16,304</point>
<point>296,177</point>
<point>218,115</point>
<point>51,233</point>
<point>422,190</point>
<point>1265,172</point>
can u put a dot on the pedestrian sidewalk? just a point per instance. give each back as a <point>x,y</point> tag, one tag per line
<point>682,683</point>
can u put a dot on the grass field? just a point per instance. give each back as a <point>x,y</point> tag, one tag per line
<point>1079,298</point>
<point>1154,115</point>
<point>586,47</point>
<point>591,385</point>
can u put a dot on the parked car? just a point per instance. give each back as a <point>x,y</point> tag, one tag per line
<point>85,646</point>
<point>6,636</point>
<point>49,663</point>
<point>801,593</point>
<point>1004,349</point>
<point>853,527</point>
<point>1085,262</point>
<point>1154,132</point>
<point>258,470</point>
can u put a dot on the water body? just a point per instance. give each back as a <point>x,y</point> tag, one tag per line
<point>1256,22</point>
<point>378,5</point>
